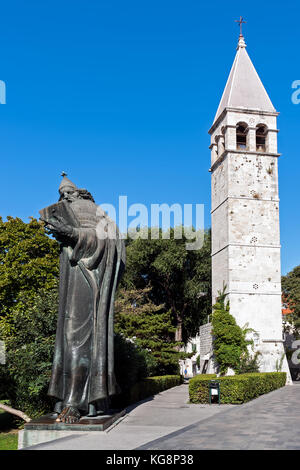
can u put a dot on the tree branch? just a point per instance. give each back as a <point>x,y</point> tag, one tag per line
<point>15,412</point>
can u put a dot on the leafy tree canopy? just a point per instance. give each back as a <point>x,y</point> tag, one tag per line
<point>150,327</point>
<point>28,261</point>
<point>291,292</point>
<point>180,279</point>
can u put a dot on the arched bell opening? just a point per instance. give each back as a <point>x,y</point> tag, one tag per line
<point>261,138</point>
<point>241,136</point>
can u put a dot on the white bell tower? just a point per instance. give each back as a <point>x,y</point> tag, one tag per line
<point>245,208</point>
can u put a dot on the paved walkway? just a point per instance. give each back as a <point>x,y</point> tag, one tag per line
<point>271,421</point>
<point>167,412</point>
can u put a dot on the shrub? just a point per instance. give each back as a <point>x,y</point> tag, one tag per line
<point>249,364</point>
<point>132,363</point>
<point>152,386</point>
<point>229,339</point>
<point>236,389</point>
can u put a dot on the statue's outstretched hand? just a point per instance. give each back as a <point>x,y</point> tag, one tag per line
<point>58,227</point>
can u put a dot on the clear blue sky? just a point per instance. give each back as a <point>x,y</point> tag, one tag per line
<point>121,94</point>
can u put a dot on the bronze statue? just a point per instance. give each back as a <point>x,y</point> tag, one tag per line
<point>92,259</point>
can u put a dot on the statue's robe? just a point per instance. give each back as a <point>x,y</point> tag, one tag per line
<point>83,365</point>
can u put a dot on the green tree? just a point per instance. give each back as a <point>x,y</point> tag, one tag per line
<point>229,339</point>
<point>179,278</point>
<point>28,261</point>
<point>29,269</point>
<point>291,292</point>
<point>150,327</point>
<point>28,331</point>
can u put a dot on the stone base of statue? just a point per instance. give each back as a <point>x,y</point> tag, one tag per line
<point>46,428</point>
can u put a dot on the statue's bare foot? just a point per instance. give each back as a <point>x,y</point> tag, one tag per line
<point>61,415</point>
<point>69,415</point>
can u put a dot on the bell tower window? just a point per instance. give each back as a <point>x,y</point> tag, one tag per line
<point>261,138</point>
<point>241,136</point>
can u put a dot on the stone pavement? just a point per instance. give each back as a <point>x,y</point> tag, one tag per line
<point>167,421</point>
<point>167,412</point>
<point>270,422</point>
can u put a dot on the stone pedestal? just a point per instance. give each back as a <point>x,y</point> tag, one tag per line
<point>46,429</point>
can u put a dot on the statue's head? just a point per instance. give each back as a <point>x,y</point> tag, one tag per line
<point>67,189</point>
<point>70,192</point>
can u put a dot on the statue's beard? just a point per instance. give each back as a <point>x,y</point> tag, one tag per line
<point>70,198</point>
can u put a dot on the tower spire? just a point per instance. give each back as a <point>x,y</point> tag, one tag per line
<point>244,89</point>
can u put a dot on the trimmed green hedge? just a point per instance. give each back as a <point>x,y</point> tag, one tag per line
<point>236,389</point>
<point>152,385</point>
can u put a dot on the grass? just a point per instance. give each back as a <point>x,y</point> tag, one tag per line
<point>8,432</point>
<point>9,440</point>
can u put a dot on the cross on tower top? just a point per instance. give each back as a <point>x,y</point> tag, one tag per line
<point>241,22</point>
